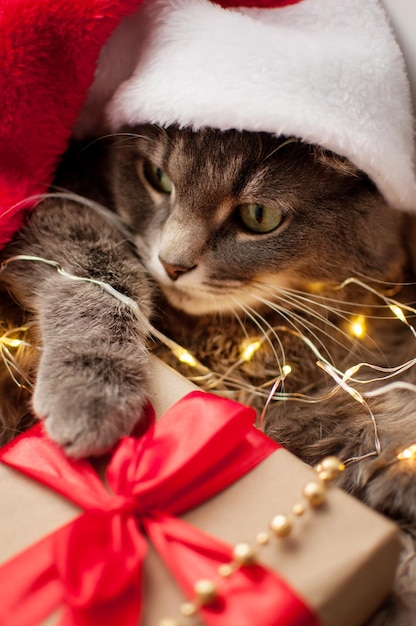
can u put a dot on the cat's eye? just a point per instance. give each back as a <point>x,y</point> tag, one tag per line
<point>157,177</point>
<point>260,218</point>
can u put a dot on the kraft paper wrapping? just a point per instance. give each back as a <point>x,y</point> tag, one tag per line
<point>340,558</point>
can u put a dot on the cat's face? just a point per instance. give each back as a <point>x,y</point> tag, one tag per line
<point>222,218</point>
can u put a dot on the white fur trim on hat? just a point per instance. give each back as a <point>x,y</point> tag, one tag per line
<point>326,71</point>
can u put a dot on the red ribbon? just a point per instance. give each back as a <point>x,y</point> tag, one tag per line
<point>92,566</point>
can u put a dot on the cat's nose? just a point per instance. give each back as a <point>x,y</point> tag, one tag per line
<point>175,271</point>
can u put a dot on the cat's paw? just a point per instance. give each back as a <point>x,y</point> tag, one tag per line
<point>88,400</point>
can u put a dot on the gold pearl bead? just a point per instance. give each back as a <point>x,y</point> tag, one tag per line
<point>226,569</point>
<point>205,591</point>
<point>325,477</point>
<point>244,554</point>
<point>331,467</point>
<point>262,538</point>
<point>315,493</point>
<point>188,609</point>
<point>281,525</point>
<point>298,509</point>
<point>169,622</point>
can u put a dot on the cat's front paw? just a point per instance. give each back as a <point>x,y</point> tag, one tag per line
<point>88,400</point>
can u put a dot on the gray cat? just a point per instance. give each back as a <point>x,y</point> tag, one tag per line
<point>221,237</point>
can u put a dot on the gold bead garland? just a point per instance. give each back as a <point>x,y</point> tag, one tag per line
<point>205,593</point>
<point>298,509</point>
<point>314,493</point>
<point>245,554</point>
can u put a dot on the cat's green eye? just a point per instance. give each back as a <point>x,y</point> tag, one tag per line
<point>157,178</point>
<point>260,218</point>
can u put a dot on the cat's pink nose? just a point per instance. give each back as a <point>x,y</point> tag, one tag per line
<point>175,271</point>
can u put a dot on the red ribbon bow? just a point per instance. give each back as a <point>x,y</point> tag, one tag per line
<point>92,566</point>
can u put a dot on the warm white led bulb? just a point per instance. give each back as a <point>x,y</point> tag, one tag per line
<point>357,326</point>
<point>408,454</point>
<point>398,312</point>
<point>184,356</point>
<point>249,349</point>
<point>11,343</point>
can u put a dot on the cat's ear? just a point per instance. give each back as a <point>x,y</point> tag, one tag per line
<point>333,161</point>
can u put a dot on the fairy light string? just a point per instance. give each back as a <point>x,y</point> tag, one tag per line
<point>13,340</point>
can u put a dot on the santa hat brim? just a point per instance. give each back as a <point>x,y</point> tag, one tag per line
<point>325,71</point>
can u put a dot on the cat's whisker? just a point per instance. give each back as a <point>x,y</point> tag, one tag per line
<point>393,286</point>
<point>303,297</point>
<point>318,299</point>
<point>349,373</point>
<point>392,305</point>
<point>284,368</point>
<point>102,138</point>
<point>240,322</point>
<point>286,142</point>
<point>311,345</point>
<point>395,306</point>
<point>256,319</point>
<point>29,201</point>
<point>288,315</point>
<point>355,329</point>
<point>306,323</point>
<point>291,316</point>
<point>343,384</point>
<point>135,136</point>
<point>213,379</point>
<point>226,376</point>
<point>310,306</point>
<point>299,299</point>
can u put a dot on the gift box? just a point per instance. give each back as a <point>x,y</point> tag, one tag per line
<point>202,482</point>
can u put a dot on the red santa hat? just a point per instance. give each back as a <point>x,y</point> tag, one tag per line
<point>326,71</point>
<point>48,56</point>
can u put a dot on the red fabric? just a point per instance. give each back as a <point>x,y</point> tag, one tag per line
<point>92,566</point>
<point>48,54</point>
